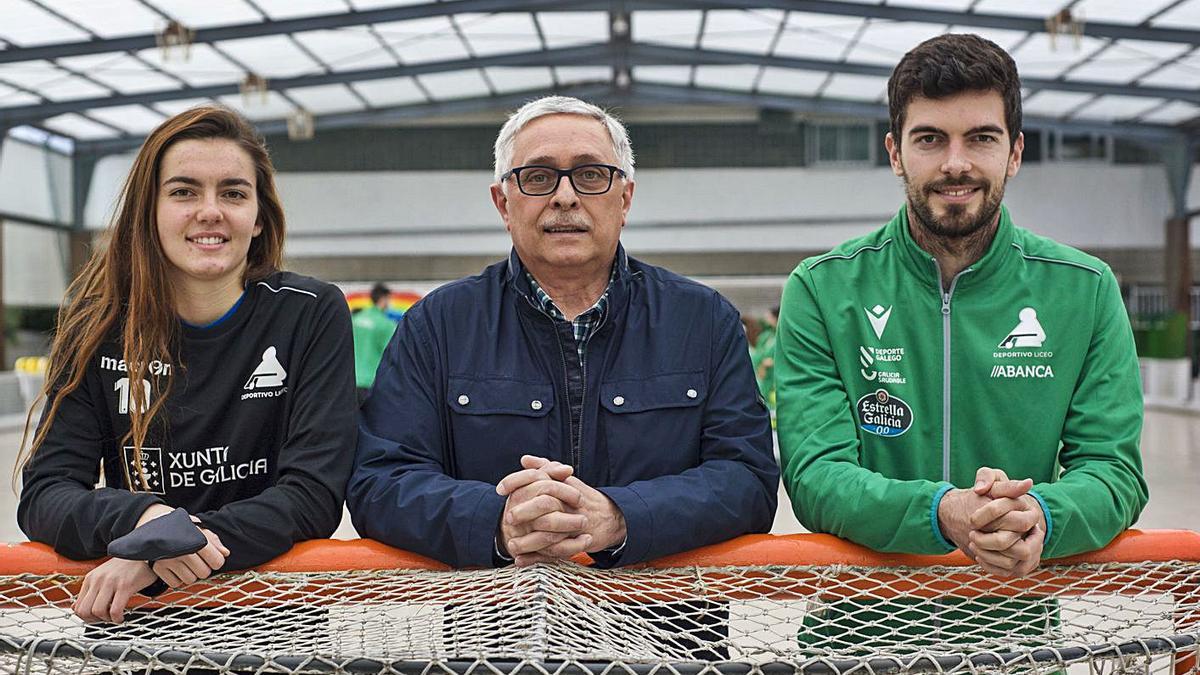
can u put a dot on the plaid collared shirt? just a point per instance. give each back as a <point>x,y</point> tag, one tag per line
<point>583,325</point>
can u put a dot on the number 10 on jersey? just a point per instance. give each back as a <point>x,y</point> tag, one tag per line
<point>122,389</point>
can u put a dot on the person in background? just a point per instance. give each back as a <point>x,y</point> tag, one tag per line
<point>373,330</point>
<point>213,390</point>
<point>764,357</point>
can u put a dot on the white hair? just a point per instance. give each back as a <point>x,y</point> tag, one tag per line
<point>556,105</point>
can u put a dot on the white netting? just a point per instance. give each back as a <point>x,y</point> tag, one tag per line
<point>565,618</point>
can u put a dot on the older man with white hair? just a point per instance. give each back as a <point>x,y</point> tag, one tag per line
<point>568,399</point>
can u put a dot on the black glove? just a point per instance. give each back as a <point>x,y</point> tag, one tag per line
<point>168,536</point>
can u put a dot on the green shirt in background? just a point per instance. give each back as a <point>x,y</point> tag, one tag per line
<point>372,331</point>
<point>764,348</point>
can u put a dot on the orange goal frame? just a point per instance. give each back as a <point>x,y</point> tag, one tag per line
<point>799,551</point>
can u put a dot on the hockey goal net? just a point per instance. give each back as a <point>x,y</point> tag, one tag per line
<point>756,605</point>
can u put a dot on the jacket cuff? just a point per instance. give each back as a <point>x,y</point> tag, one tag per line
<point>481,540</point>
<point>127,521</point>
<point>933,518</point>
<point>639,529</point>
<point>1049,522</point>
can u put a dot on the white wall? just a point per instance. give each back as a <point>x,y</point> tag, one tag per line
<point>34,182</point>
<point>1083,204</point>
<point>35,264</point>
<point>1092,205</point>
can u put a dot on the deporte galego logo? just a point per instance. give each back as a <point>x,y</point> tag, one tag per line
<point>883,414</point>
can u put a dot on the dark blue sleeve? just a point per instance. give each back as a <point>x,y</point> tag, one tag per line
<point>734,489</point>
<point>401,492</point>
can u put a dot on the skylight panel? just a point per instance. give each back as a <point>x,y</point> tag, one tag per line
<point>134,119</point>
<point>70,88</point>
<point>28,25</point>
<point>327,98</point>
<point>271,56</point>
<point>790,81</point>
<point>1038,8</point>
<point>520,79</point>
<point>291,9</point>
<point>390,92</point>
<point>740,78</point>
<point>109,18</point>
<point>741,30</point>
<point>1126,60</point>
<point>817,36</point>
<point>1037,58</point>
<point>12,97</point>
<point>1006,39</point>
<point>176,106</point>
<point>1174,112</point>
<point>678,29</point>
<point>856,87</point>
<point>257,107</point>
<point>885,42</point>
<point>1053,103</point>
<point>196,15</point>
<point>378,4</point>
<point>952,5</point>
<point>456,84</point>
<point>1118,107</point>
<point>79,127</point>
<point>423,40</point>
<point>30,74</point>
<point>1119,11</point>
<point>566,29</point>
<point>121,72</point>
<point>499,33</point>
<point>1184,73</point>
<point>201,66</point>
<point>1186,15</point>
<point>353,48</point>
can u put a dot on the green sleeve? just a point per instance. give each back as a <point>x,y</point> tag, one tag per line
<point>1101,490</point>
<point>818,444</point>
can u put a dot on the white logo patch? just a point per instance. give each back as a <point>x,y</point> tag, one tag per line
<point>269,373</point>
<point>150,479</point>
<point>1028,332</point>
<point>1038,372</point>
<point>866,359</point>
<point>878,316</point>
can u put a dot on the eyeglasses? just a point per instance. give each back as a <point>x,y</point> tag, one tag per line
<point>587,179</point>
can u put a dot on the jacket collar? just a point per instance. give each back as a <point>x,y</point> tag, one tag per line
<point>617,290</point>
<point>922,265</point>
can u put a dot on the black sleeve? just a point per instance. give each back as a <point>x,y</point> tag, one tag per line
<point>60,504</point>
<point>315,458</point>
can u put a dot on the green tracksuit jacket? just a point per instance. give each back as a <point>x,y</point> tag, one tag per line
<point>891,391</point>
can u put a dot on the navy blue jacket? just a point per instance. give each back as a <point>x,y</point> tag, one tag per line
<point>673,431</point>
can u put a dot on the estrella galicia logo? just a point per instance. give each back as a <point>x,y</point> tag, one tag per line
<point>883,414</point>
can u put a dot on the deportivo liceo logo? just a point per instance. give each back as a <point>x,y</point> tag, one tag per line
<point>883,414</point>
<point>269,373</point>
<point>1028,332</point>
<point>878,316</point>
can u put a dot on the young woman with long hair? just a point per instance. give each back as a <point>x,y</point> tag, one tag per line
<point>192,372</point>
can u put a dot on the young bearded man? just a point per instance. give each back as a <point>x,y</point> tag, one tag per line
<point>952,380</point>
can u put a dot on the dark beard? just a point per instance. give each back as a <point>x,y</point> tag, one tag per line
<point>955,224</point>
